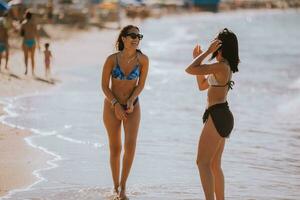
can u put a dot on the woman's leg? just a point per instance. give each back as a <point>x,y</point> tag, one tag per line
<point>208,144</point>
<point>6,57</point>
<point>0,60</point>
<point>113,128</point>
<point>46,70</point>
<point>25,50</point>
<point>131,126</point>
<point>218,173</point>
<point>32,54</point>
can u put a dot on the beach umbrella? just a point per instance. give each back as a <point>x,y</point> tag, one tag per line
<point>3,5</point>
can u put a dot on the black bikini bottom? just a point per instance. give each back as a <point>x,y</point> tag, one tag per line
<point>134,103</point>
<point>221,117</point>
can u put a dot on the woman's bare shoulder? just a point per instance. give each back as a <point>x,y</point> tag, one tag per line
<point>112,57</point>
<point>143,58</point>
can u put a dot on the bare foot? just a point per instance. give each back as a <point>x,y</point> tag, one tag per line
<point>115,195</point>
<point>123,195</point>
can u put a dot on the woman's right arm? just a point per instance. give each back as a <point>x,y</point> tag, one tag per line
<point>6,37</point>
<point>202,82</point>
<point>22,31</point>
<point>106,78</point>
<point>108,65</point>
<point>201,79</point>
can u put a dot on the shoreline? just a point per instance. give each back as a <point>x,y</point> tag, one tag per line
<point>21,160</point>
<point>18,159</point>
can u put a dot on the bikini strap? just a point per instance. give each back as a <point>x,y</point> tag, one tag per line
<point>137,58</point>
<point>230,84</point>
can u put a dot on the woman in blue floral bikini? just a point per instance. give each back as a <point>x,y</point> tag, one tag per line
<point>123,79</point>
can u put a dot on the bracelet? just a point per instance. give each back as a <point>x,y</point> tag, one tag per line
<point>113,102</point>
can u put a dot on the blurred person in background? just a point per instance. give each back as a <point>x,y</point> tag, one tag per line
<point>30,36</point>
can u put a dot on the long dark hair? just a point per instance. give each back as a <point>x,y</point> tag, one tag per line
<point>229,49</point>
<point>120,44</point>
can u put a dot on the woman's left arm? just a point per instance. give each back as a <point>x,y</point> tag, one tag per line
<point>144,61</point>
<point>205,69</point>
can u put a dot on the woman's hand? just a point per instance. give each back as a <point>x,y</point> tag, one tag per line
<point>214,46</point>
<point>130,106</point>
<point>120,112</point>
<point>197,51</point>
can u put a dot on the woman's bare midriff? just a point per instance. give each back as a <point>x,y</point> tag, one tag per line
<point>29,31</point>
<point>122,89</point>
<point>216,95</point>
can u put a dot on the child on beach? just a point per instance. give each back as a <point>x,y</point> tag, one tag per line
<point>47,56</point>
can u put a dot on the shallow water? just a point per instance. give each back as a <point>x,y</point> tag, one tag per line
<point>261,159</point>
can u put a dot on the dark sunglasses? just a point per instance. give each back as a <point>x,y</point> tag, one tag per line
<point>134,36</point>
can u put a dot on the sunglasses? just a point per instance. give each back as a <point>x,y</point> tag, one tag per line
<point>134,36</point>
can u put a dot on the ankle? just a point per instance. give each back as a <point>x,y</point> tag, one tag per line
<point>123,188</point>
<point>116,189</point>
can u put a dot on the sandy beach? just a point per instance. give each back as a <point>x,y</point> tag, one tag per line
<point>18,159</point>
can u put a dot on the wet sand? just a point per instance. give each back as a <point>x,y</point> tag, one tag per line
<point>18,159</point>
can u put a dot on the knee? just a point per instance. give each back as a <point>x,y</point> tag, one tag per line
<point>115,150</point>
<point>203,163</point>
<point>216,166</point>
<point>129,147</point>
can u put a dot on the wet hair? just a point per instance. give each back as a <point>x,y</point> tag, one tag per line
<point>229,49</point>
<point>47,45</point>
<point>28,15</point>
<point>120,44</point>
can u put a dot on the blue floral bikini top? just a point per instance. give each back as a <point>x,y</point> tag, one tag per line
<point>119,74</point>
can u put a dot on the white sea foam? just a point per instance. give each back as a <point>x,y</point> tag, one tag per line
<point>67,126</point>
<point>295,84</point>
<point>76,141</point>
<point>8,107</point>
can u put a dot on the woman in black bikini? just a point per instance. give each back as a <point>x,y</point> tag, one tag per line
<point>218,120</point>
